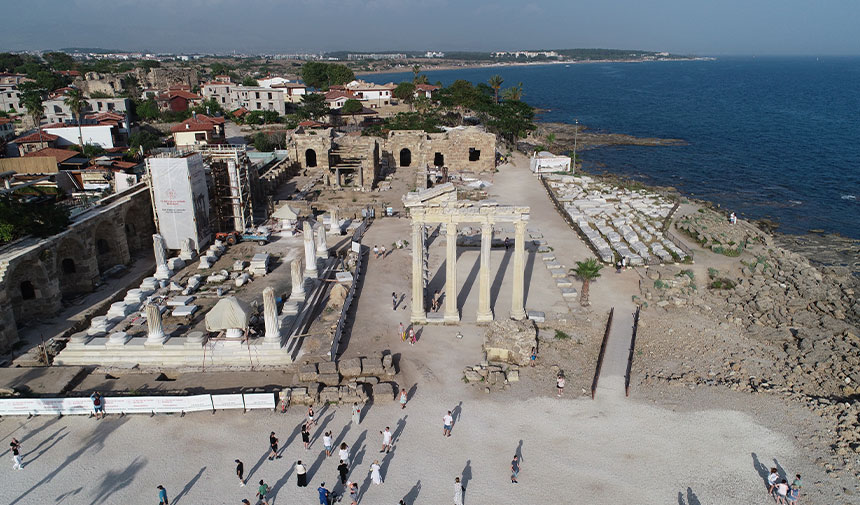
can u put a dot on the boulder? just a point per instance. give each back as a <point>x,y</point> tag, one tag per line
<point>328,367</point>
<point>329,379</point>
<point>372,366</point>
<point>472,376</point>
<point>350,367</point>
<point>510,341</point>
<point>308,373</point>
<point>384,392</point>
<point>330,394</point>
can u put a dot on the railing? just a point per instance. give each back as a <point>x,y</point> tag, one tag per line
<point>564,215</point>
<point>678,242</point>
<point>630,356</point>
<point>602,353</point>
<point>341,322</point>
<point>668,220</point>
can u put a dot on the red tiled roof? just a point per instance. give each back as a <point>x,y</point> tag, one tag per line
<point>34,137</point>
<point>173,93</point>
<point>71,73</point>
<point>71,124</point>
<point>123,164</point>
<point>336,94</point>
<point>4,120</point>
<point>311,124</point>
<point>241,111</point>
<point>426,87</point>
<point>200,123</point>
<point>61,155</point>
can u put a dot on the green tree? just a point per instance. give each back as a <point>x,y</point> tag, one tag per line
<point>77,102</point>
<point>32,100</point>
<point>339,74</point>
<point>550,140</point>
<point>144,139</point>
<point>219,68</point>
<point>586,271</point>
<point>313,106</point>
<point>496,83</point>
<point>416,69</point>
<point>100,94</point>
<point>41,217</point>
<point>513,93</point>
<point>351,107</point>
<point>59,61</point>
<point>249,81</point>
<point>210,107</point>
<point>314,74</point>
<point>511,120</point>
<point>147,109</point>
<point>261,117</point>
<point>405,92</point>
<point>9,62</point>
<point>148,64</point>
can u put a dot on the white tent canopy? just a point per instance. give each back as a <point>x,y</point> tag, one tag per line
<point>287,213</point>
<point>228,313</point>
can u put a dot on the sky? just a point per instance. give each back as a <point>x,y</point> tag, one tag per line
<point>697,27</point>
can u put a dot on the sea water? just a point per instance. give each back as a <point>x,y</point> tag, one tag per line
<point>775,138</point>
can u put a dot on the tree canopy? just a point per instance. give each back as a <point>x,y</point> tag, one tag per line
<point>320,75</point>
<point>313,106</point>
<point>249,81</point>
<point>41,217</point>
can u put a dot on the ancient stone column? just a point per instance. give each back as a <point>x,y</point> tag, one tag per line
<point>187,251</point>
<point>298,280</point>
<point>334,225</point>
<point>270,315</point>
<point>310,251</point>
<point>322,242</point>
<point>418,313</point>
<point>162,272</point>
<point>451,312</point>
<point>484,311</point>
<point>154,327</point>
<point>518,311</point>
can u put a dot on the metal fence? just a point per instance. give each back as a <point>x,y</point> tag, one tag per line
<point>602,352</point>
<point>630,356</point>
<point>678,242</point>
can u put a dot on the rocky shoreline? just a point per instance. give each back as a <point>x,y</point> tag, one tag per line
<point>565,134</point>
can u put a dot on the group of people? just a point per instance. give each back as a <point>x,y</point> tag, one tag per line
<point>379,252</point>
<point>407,335</point>
<point>780,490</point>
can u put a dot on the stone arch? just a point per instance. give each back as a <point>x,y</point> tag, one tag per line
<point>76,266</point>
<point>405,157</point>
<point>31,292</point>
<point>138,226</point>
<point>109,246</point>
<point>310,158</point>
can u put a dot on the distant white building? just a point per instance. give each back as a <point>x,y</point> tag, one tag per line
<point>232,97</point>
<point>434,54</point>
<point>373,95</point>
<point>546,162</point>
<point>97,135</point>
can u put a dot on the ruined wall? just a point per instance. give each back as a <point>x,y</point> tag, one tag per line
<point>470,149</point>
<point>317,141</point>
<point>103,83</point>
<point>36,275</point>
<point>163,78</point>
<point>367,151</point>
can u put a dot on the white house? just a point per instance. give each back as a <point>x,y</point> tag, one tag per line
<point>546,162</point>
<point>56,110</point>
<point>97,135</point>
<point>373,95</point>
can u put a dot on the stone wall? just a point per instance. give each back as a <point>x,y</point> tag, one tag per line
<point>467,149</point>
<point>317,141</point>
<point>36,275</point>
<point>162,78</point>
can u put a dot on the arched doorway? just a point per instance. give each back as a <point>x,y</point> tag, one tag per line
<point>28,291</point>
<point>110,245</point>
<point>32,293</point>
<point>310,158</point>
<point>438,160</point>
<point>405,157</point>
<point>68,265</point>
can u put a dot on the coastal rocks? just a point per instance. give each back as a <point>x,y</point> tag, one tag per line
<point>491,374</point>
<point>510,341</point>
<point>713,231</point>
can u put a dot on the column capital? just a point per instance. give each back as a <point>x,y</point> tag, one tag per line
<point>486,227</point>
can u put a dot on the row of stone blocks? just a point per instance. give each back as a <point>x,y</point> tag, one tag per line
<point>330,372</point>
<point>351,392</point>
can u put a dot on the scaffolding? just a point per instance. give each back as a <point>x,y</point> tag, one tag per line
<point>232,176</point>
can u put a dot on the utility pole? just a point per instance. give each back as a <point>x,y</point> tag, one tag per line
<point>575,133</point>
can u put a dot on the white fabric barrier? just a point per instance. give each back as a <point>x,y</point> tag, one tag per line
<point>228,402</point>
<point>157,404</point>
<point>260,401</point>
<point>34,406</point>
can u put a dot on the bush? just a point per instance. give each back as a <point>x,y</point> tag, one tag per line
<point>560,335</point>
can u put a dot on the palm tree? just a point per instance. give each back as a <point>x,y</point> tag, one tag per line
<point>514,93</point>
<point>587,271</point>
<point>415,70</point>
<point>550,140</point>
<point>76,101</point>
<point>32,101</point>
<point>496,83</point>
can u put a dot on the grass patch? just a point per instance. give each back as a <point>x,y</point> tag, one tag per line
<point>689,273</point>
<point>660,284</point>
<point>560,335</point>
<point>722,284</point>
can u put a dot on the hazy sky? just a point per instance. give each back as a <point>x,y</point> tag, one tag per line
<point>817,27</point>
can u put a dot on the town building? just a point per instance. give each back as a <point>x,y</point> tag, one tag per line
<point>252,98</point>
<point>10,98</point>
<point>177,100</point>
<point>56,110</point>
<point>425,90</point>
<point>199,130</point>
<point>35,141</point>
<point>337,98</point>
<point>370,94</point>
<point>7,129</point>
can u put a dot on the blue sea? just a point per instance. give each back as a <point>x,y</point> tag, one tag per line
<point>775,138</point>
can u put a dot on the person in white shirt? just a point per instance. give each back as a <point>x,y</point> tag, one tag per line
<point>344,452</point>
<point>386,440</point>
<point>781,492</point>
<point>327,443</point>
<point>448,423</point>
<point>772,479</point>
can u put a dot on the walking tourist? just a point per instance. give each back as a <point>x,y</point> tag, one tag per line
<point>458,491</point>
<point>353,493</point>
<point>793,495</point>
<point>162,495</point>
<point>411,335</point>
<point>311,420</point>
<point>323,492</point>
<point>559,384</point>
<point>327,443</point>
<point>382,252</point>
<point>343,453</point>
<point>262,491</point>
<point>386,439</point>
<point>375,476</point>
<point>273,444</point>
<point>436,296</point>
<point>402,333</point>
<point>375,252</point>
<point>533,356</point>
<point>403,398</point>
<point>306,436</point>
<point>98,405</point>
<point>301,475</point>
<point>356,413</point>
<point>782,492</point>
<point>245,501</point>
<point>447,424</point>
<point>343,471</point>
<point>15,447</point>
<point>240,472</point>
<point>393,300</point>
<point>772,480</point>
<point>515,468</point>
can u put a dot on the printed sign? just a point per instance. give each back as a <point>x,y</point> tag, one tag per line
<point>260,401</point>
<point>227,402</point>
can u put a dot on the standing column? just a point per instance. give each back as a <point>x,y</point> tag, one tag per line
<point>310,251</point>
<point>518,311</point>
<point>270,315</point>
<point>334,222</point>
<point>484,311</point>
<point>154,327</point>
<point>322,242</point>
<point>162,272</point>
<point>418,313</point>
<point>451,312</point>
<point>298,291</point>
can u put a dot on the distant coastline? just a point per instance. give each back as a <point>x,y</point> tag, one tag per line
<point>408,68</point>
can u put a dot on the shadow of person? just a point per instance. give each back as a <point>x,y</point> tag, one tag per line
<point>412,495</point>
<point>386,460</point>
<point>780,470</point>
<point>760,468</point>
<point>692,499</point>
<point>466,476</point>
<point>411,394</point>
<point>190,485</point>
<point>456,411</point>
<point>520,452</point>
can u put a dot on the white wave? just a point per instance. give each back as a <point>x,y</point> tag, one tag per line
<point>849,197</point>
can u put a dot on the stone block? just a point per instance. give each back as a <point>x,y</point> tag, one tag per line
<point>370,380</point>
<point>564,283</point>
<point>472,375</point>
<point>558,273</point>
<point>536,316</point>
<point>384,392</point>
<point>513,375</point>
<point>350,367</point>
<point>329,379</point>
<point>330,394</point>
<point>568,292</point>
<point>388,361</point>
<point>372,366</point>
<point>327,367</point>
<point>510,341</point>
<point>496,378</point>
<point>308,373</point>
